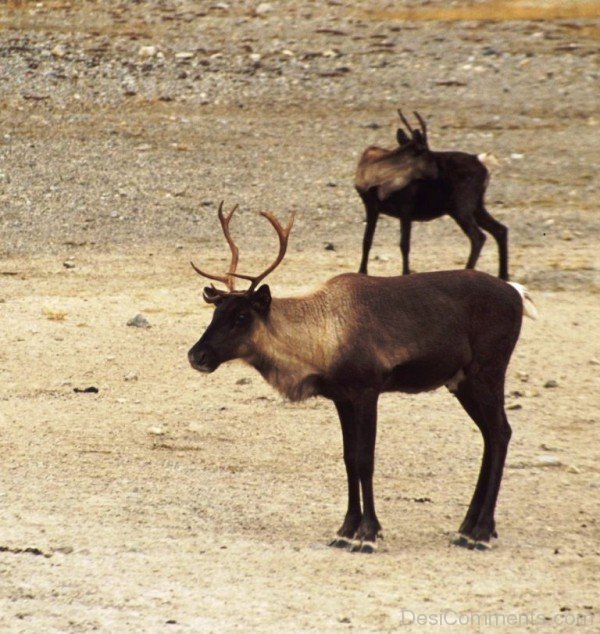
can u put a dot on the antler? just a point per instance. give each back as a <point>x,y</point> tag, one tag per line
<point>228,279</point>
<point>405,122</point>
<point>283,240</point>
<point>422,124</point>
<point>417,135</point>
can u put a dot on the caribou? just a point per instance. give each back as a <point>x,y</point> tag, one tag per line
<point>359,336</point>
<point>414,183</point>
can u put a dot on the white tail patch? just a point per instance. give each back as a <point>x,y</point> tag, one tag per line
<point>488,159</point>
<point>528,306</point>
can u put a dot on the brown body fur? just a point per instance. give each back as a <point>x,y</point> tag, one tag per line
<point>356,330</point>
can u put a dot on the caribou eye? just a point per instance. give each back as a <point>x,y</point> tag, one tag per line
<point>242,319</point>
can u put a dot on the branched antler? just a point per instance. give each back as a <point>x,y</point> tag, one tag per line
<point>229,278</point>
<point>283,241</point>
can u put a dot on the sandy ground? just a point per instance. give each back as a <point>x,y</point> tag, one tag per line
<point>172,501</point>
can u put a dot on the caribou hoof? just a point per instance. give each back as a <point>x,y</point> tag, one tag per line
<point>364,547</point>
<point>341,542</point>
<point>461,540</point>
<point>464,541</point>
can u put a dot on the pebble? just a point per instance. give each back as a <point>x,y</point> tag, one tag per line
<point>548,460</point>
<point>131,376</point>
<point>139,321</point>
<point>147,51</point>
<point>263,8</point>
<point>156,431</point>
<point>551,383</point>
<point>59,51</point>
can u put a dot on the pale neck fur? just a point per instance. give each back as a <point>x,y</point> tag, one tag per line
<point>299,342</point>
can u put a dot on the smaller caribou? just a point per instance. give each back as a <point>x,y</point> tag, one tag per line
<point>359,336</point>
<point>412,182</point>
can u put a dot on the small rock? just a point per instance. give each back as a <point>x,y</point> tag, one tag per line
<point>69,264</point>
<point>567,235</point>
<point>184,55</point>
<point>156,431</point>
<point>129,88</point>
<point>594,361</point>
<point>139,321</point>
<point>263,8</point>
<point>551,383</point>
<point>243,381</point>
<point>548,460</point>
<point>147,51</point>
<point>573,469</point>
<point>65,550</point>
<point>329,246</point>
<point>131,376</point>
<point>516,156</point>
<point>490,50</point>
<point>59,51</point>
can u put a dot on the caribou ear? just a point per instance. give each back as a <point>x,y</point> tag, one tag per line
<point>211,295</point>
<point>419,140</point>
<point>261,299</point>
<point>402,137</point>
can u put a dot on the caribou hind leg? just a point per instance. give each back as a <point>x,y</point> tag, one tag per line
<point>500,233</point>
<point>484,402</point>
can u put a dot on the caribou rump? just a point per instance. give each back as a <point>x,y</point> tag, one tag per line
<point>412,182</point>
<point>359,336</point>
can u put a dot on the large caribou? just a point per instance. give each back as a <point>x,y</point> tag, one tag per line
<point>359,336</point>
<point>411,182</point>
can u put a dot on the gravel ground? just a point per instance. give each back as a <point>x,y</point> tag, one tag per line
<point>127,123</point>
